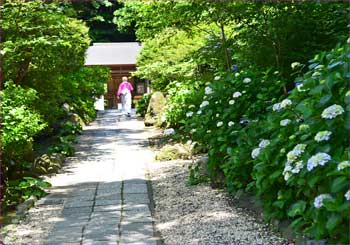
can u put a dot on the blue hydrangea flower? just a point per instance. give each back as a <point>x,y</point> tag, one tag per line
<point>323,136</point>
<point>332,111</point>
<point>255,152</point>
<point>320,159</point>
<point>318,202</point>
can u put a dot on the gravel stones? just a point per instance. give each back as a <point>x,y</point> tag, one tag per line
<point>199,214</point>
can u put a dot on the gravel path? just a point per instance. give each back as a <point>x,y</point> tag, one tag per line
<point>198,214</point>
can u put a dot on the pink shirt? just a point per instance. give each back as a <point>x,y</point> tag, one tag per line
<point>125,85</point>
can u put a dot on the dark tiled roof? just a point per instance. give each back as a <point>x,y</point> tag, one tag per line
<point>112,53</point>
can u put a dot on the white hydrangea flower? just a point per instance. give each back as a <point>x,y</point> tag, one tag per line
<point>237,74</point>
<point>287,171</point>
<point>217,78</point>
<point>230,123</point>
<point>323,136</point>
<point>247,80</point>
<point>347,195</point>
<point>231,102</point>
<point>219,124</point>
<point>285,103</point>
<point>298,166</point>
<point>169,131</point>
<point>320,158</point>
<point>199,112</point>
<point>208,90</point>
<point>285,122</point>
<point>299,148</point>
<point>236,94</point>
<point>287,175</point>
<point>217,115</point>
<point>204,104</point>
<point>318,202</point>
<point>296,152</point>
<point>332,111</point>
<point>255,152</point>
<point>276,107</point>
<point>189,114</point>
<point>342,165</point>
<point>263,143</point>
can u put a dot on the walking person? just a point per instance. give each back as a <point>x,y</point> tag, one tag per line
<point>124,93</point>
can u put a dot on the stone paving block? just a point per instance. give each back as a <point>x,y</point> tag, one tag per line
<point>108,196</point>
<point>87,193</point>
<point>137,238</point>
<point>98,221</point>
<point>103,236</point>
<point>97,242</point>
<point>106,202</point>
<point>136,198</point>
<point>111,214</point>
<point>107,228</point>
<point>109,191</point>
<point>78,223</point>
<point>135,206</point>
<point>136,214</point>
<point>49,201</point>
<point>135,188</point>
<point>135,181</point>
<point>116,184</point>
<point>142,228</point>
<point>81,198</point>
<point>107,208</point>
<point>137,219</point>
<point>67,211</point>
<point>66,231</point>
<point>78,204</point>
<point>76,216</point>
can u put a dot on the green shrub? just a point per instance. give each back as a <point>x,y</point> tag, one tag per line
<point>142,104</point>
<point>308,155</point>
<point>21,189</point>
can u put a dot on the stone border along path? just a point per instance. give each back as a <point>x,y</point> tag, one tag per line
<point>102,193</point>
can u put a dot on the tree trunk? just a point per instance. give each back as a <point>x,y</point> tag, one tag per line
<point>224,44</point>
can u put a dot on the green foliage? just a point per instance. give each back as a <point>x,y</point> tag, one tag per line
<point>22,189</point>
<point>19,123</point>
<point>302,178</point>
<point>64,146</point>
<point>82,87</point>
<point>43,52</point>
<point>142,104</point>
<point>257,141</point>
<point>99,17</point>
<point>166,58</point>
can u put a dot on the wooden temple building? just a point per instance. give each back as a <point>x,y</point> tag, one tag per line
<point>121,59</point>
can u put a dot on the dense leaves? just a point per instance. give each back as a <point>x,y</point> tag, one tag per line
<point>46,87</point>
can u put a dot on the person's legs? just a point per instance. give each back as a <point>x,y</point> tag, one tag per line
<point>123,99</point>
<point>128,103</point>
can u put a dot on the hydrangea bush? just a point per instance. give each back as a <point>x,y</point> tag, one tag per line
<point>291,149</point>
<point>308,156</point>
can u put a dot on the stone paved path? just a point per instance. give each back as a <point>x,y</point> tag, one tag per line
<point>103,190</point>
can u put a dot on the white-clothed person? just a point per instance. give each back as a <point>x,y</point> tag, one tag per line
<point>124,93</point>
